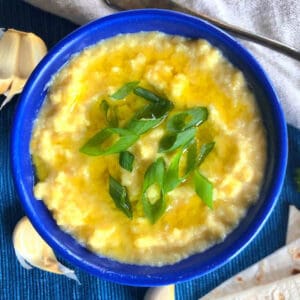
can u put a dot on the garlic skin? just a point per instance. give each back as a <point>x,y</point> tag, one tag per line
<point>166,292</point>
<point>32,251</point>
<point>20,52</point>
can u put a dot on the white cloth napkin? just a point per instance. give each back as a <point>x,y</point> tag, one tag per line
<point>273,18</point>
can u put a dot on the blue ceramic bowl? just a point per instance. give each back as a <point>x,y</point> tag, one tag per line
<point>32,99</point>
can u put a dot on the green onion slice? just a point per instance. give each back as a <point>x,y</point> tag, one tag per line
<point>125,90</point>
<point>186,119</point>
<point>94,146</point>
<point>120,196</point>
<point>148,95</point>
<point>110,114</point>
<point>152,114</point>
<point>149,117</point>
<point>172,180</point>
<point>153,197</point>
<point>203,188</point>
<point>126,160</point>
<point>297,178</point>
<point>172,177</point>
<point>204,151</point>
<point>142,126</point>
<point>155,110</point>
<point>172,141</point>
<point>104,106</point>
<point>191,157</point>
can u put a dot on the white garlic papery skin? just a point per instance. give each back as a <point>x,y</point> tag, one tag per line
<point>20,52</point>
<point>32,251</point>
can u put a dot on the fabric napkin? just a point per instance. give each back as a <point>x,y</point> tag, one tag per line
<point>273,18</point>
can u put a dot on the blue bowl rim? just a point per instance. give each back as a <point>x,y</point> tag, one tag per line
<point>134,279</point>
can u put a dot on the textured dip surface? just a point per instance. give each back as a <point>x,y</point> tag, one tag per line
<point>74,186</point>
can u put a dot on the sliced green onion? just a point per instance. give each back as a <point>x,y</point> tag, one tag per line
<point>172,177</point>
<point>104,106</point>
<point>94,146</point>
<point>110,114</point>
<point>204,151</point>
<point>149,117</point>
<point>148,95</point>
<point>186,119</point>
<point>155,110</point>
<point>172,180</point>
<point>125,90</point>
<point>141,126</point>
<point>297,179</point>
<point>173,141</point>
<point>153,197</point>
<point>191,157</point>
<point>126,160</point>
<point>203,188</point>
<point>120,196</point>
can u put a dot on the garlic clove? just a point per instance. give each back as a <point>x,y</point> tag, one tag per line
<point>31,250</point>
<point>166,292</point>
<point>20,52</point>
<point>9,52</point>
<point>32,50</point>
<point>4,85</point>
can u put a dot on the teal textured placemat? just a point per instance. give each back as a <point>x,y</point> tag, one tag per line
<point>18,283</point>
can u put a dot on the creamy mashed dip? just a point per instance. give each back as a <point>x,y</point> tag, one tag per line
<point>74,186</point>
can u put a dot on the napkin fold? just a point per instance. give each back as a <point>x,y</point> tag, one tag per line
<point>276,19</point>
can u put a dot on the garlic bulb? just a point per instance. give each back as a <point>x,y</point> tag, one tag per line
<point>31,250</point>
<point>20,52</point>
<point>166,292</point>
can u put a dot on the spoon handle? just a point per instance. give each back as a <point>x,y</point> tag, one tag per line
<point>239,32</point>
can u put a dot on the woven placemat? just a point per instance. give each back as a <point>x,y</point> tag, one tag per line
<point>18,283</point>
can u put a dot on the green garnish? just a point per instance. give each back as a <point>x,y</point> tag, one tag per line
<point>155,110</point>
<point>191,158</point>
<point>203,188</point>
<point>120,196</point>
<point>142,126</point>
<point>158,180</point>
<point>96,144</point>
<point>110,114</point>
<point>172,141</point>
<point>126,160</point>
<point>172,179</point>
<point>148,118</point>
<point>204,151</point>
<point>153,197</point>
<point>149,95</point>
<point>186,119</point>
<point>297,179</point>
<point>104,106</point>
<point>125,90</point>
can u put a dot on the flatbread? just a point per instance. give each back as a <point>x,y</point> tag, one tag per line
<point>293,231</point>
<point>280,264</point>
<point>287,288</point>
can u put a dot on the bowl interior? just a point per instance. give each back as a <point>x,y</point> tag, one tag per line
<point>34,95</point>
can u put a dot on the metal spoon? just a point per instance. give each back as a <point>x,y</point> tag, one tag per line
<point>244,34</point>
